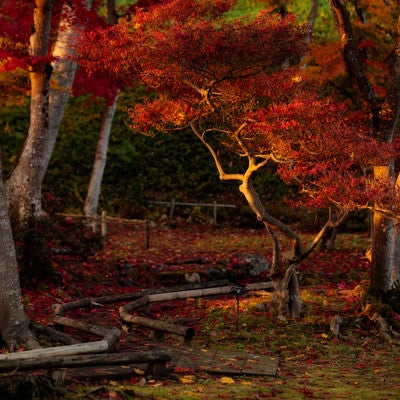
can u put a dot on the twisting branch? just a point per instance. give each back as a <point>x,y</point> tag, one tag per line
<point>329,224</point>
<point>275,249</point>
<point>222,174</point>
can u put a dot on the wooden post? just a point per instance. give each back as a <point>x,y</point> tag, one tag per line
<point>147,234</point>
<point>93,221</point>
<point>103,224</point>
<point>171,211</point>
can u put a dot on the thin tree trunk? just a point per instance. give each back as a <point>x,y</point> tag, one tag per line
<point>13,321</point>
<point>92,198</point>
<point>63,76</point>
<point>24,185</point>
<point>93,193</point>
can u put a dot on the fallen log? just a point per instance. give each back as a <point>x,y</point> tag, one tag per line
<point>100,346</point>
<point>61,309</point>
<point>110,335</point>
<point>188,333</point>
<point>81,360</point>
<point>180,330</point>
<point>184,294</point>
<point>53,335</point>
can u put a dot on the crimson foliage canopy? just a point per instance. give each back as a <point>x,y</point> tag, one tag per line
<point>241,82</point>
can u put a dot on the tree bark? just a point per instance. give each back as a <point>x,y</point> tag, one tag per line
<point>24,185</point>
<point>14,325</point>
<point>45,360</point>
<point>93,193</point>
<point>384,242</point>
<point>63,76</point>
<point>48,102</point>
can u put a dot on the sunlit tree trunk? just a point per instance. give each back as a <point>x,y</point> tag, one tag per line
<point>283,274</point>
<point>383,241</point>
<point>93,193</point>
<point>14,325</point>
<point>24,185</point>
<point>48,102</point>
<point>92,198</point>
<point>64,69</point>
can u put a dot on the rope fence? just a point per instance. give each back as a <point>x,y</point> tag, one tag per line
<point>172,204</point>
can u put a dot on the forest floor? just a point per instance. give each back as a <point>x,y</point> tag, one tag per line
<point>312,363</point>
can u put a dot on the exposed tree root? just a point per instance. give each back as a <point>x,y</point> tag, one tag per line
<point>25,338</point>
<point>386,330</point>
<point>29,387</point>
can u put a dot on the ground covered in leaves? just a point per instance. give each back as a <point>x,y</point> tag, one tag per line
<point>312,364</point>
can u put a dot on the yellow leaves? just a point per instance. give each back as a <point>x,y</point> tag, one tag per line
<point>187,379</point>
<point>227,380</point>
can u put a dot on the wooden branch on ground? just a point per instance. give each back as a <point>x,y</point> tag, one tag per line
<point>53,334</point>
<point>188,333</point>
<point>61,309</point>
<point>111,335</point>
<point>162,326</point>
<point>100,346</point>
<point>81,360</point>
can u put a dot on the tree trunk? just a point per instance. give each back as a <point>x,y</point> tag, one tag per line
<point>13,321</point>
<point>24,185</point>
<point>383,242</point>
<point>283,275</point>
<point>92,198</point>
<point>64,69</point>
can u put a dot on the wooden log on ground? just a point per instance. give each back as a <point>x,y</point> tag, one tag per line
<point>111,372</point>
<point>111,335</point>
<point>180,330</point>
<point>191,292</point>
<point>205,292</point>
<point>61,309</point>
<point>71,361</point>
<point>133,305</point>
<point>188,333</point>
<point>100,346</point>
<point>53,334</point>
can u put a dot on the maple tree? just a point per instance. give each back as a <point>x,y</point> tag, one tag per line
<point>238,83</point>
<point>234,82</point>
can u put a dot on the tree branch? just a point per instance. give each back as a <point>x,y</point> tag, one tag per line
<point>352,57</point>
<point>222,174</point>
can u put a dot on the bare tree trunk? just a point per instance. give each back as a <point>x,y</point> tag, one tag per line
<point>14,325</point>
<point>384,241</point>
<point>283,274</point>
<point>24,185</point>
<point>93,193</point>
<point>48,102</point>
<point>63,76</point>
